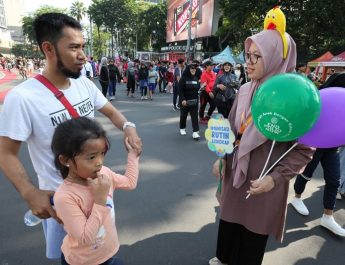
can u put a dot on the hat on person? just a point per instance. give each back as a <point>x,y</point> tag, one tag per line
<point>227,62</point>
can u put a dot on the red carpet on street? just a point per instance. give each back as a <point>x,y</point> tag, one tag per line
<point>5,78</point>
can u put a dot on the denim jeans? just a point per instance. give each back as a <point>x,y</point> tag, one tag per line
<point>112,88</point>
<point>329,158</point>
<point>112,261</point>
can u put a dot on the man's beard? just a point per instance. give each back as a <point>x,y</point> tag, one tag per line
<point>63,69</point>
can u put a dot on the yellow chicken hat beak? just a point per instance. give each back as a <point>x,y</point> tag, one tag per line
<point>275,20</point>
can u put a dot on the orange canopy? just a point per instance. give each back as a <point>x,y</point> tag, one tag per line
<point>327,56</point>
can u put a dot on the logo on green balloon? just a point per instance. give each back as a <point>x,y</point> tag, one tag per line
<point>285,107</point>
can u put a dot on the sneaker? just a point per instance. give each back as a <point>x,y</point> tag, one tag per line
<point>328,222</point>
<point>177,106</point>
<point>142,97</point>
<point>339,197</point>
<point>174,108</point>
<point>299,206</point>
<point>196,135</point>
<point>215,261</point>
<point>183,131</point>
<point>111,98</point>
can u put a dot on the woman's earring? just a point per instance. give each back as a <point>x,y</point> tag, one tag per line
<point>67,165</point>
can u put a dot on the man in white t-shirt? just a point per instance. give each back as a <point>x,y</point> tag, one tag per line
<point>31,112</point>
<point>87,70</point>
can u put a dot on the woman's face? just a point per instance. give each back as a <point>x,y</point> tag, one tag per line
<point>255,64</point>
<point>192,70</point>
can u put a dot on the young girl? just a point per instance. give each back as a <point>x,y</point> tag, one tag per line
<point>84,201</point>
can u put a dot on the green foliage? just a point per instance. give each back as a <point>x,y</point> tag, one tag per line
<point>25,50</point>
<point>78,10</point>
<point>315,25</point>
<point>27,21</point>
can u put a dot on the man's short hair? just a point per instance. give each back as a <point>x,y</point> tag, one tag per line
<point>180,61</point>
<point>49,27</point>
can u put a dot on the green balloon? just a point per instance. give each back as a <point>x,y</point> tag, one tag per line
<point>285,107</point>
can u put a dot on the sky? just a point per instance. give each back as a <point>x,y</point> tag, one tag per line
<point>33,5</point>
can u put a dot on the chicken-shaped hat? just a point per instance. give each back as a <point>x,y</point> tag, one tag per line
<point>275,19</point>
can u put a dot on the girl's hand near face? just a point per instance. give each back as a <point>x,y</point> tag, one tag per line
<point>100,187</point>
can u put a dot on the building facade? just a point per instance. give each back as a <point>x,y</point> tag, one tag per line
<point>11,14</point>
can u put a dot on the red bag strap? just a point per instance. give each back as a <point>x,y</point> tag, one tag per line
<point>58,94</point>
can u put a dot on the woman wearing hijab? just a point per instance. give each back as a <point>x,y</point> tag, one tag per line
<point>245,224</point>
<point>104,75</point>
<point>224,90</point>
<point>130,75</point>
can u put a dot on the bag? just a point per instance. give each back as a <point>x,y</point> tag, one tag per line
<point>230,94</point>
<point>88,73</point>
<point>192,102</point>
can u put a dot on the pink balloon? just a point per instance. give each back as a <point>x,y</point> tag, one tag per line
<point>329,129</point>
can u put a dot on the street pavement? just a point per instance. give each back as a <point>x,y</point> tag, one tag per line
<point>172,216</point>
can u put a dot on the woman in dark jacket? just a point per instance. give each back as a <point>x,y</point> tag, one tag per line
<point>189,86</point>
<point>224,90</point>
<point>114,76</point>
<point>104,75</point>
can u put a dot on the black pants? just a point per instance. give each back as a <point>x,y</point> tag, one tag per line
<point>130,85</point>
<point>329,158</point>
<point>204,99</point>
<point>224,110</point>
<point>104,86</point>
<point>236,245</point>
<point>176,93</point>
<point>193,110</point>
<point>160,84</point>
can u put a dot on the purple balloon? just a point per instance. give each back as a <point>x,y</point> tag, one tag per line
<point>329,129</point>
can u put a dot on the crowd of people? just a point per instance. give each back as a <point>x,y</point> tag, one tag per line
<point>67,146</point>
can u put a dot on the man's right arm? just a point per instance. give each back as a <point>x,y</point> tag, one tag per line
<point>37,200</point>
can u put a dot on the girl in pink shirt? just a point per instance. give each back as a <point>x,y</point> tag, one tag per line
<point>84,201</point>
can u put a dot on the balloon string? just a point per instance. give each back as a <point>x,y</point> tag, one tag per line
<point>268,158</point>
<point>280,158</point>
<point>263,169</point>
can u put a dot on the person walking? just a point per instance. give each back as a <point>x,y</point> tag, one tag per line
<point>104,75</point>
<point>84,200</point>
<point>177,76</point>
<point>189,86</point>
<point>114,77</point>
<point>130,76</point>
<point>208,77</point>
<point>32,110</point>
<point>225,89</point>
<point>329,159</point>
<point>245,224</point>
<point>143,80</point>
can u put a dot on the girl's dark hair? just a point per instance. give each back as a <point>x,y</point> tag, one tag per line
<point>49,27</point>
<point>70,136</point>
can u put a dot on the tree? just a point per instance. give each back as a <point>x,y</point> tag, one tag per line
<point>315,25</point>
<point>153,25</point>
<point>27,22</point>
<point>78,10</point>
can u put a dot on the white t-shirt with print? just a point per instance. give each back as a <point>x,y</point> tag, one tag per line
<point>31,112</point>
